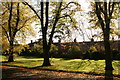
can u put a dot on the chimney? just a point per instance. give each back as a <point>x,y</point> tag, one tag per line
<point>75,40</point>
<point>92,40</point>
<point>59,41</point>
<point>31,41</point>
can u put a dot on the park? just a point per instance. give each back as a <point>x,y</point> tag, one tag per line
<point>60,40</point>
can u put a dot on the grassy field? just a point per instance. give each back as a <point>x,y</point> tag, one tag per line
<point>78,65</point>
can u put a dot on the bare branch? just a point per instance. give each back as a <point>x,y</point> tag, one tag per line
<point>112,9</point>
<point>69,4</point>
<point>9,20</point>
<point>109,7</point>
<point>17,20</point>
<point>55,22</point>
<point>4,12</point>
<point>25,3</point>
<point>24,23</point>
<point>98,13</point>
<point>66,16</point>
<point>6,33</point>
<point>102,10</point>
<point>42,15</point>
<point>47,15</point>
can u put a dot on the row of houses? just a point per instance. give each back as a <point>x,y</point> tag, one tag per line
<point>84,46</point>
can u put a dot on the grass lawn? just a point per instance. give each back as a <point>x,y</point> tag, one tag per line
<point>78,65</point>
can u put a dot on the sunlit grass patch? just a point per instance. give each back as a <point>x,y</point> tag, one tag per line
<point>79,65</point>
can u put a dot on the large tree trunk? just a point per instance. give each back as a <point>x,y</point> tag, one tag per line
<point>46,47</point>
<point>11,59</point>
<point>46,61</point>
<point>108,62</point>
<point>108,54</point>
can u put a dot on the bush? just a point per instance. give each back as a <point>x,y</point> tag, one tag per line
<point>74,52</point>
<point>86,55</point>
<point>35,51</point>
<point>116,54</point>
<point>93,55</point>
<point>53,49</point>
<point>97,56</point>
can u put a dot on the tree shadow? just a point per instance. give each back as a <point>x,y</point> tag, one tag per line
<point>28,57</point>
<point>67,58</point>
<point>4,62</point>
<point>18,73</point>
<point>22,74</point>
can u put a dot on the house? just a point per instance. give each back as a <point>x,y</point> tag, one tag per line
<point>84,46</point>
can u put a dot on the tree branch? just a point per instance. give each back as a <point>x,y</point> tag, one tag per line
<point>4,12</point>
<point>6,33</point>
<point>42,14</point>
<point>25,3</point>
<point>55,22</point>
<point>98,13</point>
<point>101,9</point>
<point>69,4</point>
<point>47,15</point>
<point>17,20</point>
<point>66,16</point>
<point>110,14</point>
<point>24,23</point>
<point>9,20</point>
<point>109,8</point>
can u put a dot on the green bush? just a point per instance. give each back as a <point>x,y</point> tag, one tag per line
<point>97,56</point>
<point>92,49</point>
<point>37,48</point>
<point>74,52</point>
<point>116,54</point>
<point>53,49</point>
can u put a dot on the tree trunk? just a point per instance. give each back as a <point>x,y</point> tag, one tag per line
<point>108,63</point>
<point>108,54</point>
<point>46,61</point>
<point>11,59</point>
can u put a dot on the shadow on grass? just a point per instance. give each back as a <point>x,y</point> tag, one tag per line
<point>31,57</point>
<point>4,62</point>
<point>20,73</point>
<point>66,58</point>
<point>41,68</point>
<point>23,74</point>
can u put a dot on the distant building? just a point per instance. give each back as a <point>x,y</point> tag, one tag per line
<point>84,46</point>
<point>32,44</point>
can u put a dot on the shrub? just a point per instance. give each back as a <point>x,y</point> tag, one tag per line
<point>53,49</point>
<point>86,55</point>
<point>37,49</point>
<point>97,56</point>
<point>116,54</point>
<point>74,52</point>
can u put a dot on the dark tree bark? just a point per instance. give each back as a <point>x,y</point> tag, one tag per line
<point>46,61</point>
<point>10,59</point>
<point>12,32</point>
<point>105,20</point>
<point>46,47</point>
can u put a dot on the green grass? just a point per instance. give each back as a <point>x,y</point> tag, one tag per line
<point>79,65</point>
